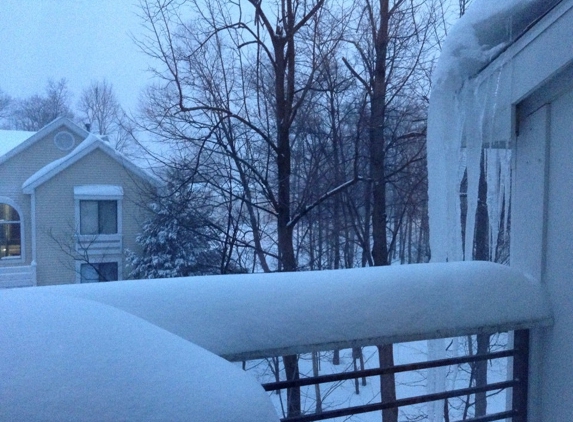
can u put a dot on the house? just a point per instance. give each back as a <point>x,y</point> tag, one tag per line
<point>70,207</point>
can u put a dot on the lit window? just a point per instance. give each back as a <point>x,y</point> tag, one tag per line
<point>98,217</point>
<point>103,271</point>
<point>10,232</point>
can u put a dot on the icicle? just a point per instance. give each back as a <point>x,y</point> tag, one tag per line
<point>473,135</point>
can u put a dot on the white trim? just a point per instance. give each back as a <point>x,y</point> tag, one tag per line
<point>68,135</point>
<point>91,143</point>
<point>33,224</point>
<point>22,258</point>
<point>98,191</point>
<point>99,245</point>
<point>18,276</point>
<point>116,197</point>
<point>547,66</point>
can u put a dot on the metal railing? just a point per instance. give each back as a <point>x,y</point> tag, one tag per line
<point>518,383</point>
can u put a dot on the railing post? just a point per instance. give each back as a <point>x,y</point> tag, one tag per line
<point>521,374</point>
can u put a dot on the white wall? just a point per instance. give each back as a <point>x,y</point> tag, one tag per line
<point>535,80</point>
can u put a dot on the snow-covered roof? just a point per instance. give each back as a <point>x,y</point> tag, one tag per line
<point>68,359</point>
<point>482,33</point>
<point>467,112</point>
<point>257,315</point>
<point>10,139</point>
<point>91,143</point>
<point>35,137</point>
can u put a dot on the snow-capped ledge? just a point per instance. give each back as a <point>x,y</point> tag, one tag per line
<point>249,316</point>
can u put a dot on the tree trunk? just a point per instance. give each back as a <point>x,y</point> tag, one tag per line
<point>379,218</point>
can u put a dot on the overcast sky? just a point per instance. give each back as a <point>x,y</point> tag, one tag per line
<point>79,40</point>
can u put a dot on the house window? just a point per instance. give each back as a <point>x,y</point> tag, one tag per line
<point>102,271</point>
<point>10,232</point>
<point>98,211</point>
<point>98,217</point>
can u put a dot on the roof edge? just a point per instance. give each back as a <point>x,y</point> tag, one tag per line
<point>71,126</point>
<point>52,169</point>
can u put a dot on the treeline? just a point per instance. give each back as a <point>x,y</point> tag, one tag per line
<point>300,129</point>
<point>96,109</point>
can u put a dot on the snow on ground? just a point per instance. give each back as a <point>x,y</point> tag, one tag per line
<point>69,359</point>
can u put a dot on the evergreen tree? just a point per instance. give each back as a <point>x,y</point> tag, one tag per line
<point>179,239</point>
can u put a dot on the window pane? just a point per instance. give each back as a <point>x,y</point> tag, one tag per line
<point>107,217</point>
<point>107,271</point>
<point>88,217</point>
<point>103,271</point>
<point>7,213</point>
<point>10,239</point>
<point>88,274</point>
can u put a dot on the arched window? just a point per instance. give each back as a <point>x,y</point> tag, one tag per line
<point>10,232</point>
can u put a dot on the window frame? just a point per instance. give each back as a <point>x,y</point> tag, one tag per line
<point>102,260</point>
<point>22,257</point>
<point>99,193</point>
<point>99,211</point>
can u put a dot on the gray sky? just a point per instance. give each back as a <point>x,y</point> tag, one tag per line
<point>80,40</point>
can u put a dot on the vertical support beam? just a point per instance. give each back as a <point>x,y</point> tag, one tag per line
<point>521,374</point>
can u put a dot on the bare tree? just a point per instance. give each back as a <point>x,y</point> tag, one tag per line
<point>392,64</point>
<point>5,102</point>
<point>99,108</point>
<point>234,81</point>
<point>101,112</point>
<point>37,111</point>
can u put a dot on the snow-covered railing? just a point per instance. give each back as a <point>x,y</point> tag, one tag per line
<point>242,317</point>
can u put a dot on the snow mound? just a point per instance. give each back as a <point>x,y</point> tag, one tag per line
<point>70,359</point>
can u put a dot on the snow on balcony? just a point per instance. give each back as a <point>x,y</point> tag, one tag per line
<point>68,359</point>
<point>75,347</point>
<point>250,316</point>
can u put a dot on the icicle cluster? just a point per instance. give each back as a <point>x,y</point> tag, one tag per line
<point>470,114</point>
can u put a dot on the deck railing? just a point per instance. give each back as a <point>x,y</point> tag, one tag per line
<point>256,316</point>
<point>517,412</point>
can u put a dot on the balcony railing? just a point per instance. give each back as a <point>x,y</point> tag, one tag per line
<point>516,386</point>
<point>245,317</point>
<point>102,244</point>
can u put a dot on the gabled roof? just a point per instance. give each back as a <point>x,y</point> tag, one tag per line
<point>35,137</point>
<point>90,144</point>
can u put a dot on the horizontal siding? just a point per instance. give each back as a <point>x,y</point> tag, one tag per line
<point>56,215</point>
